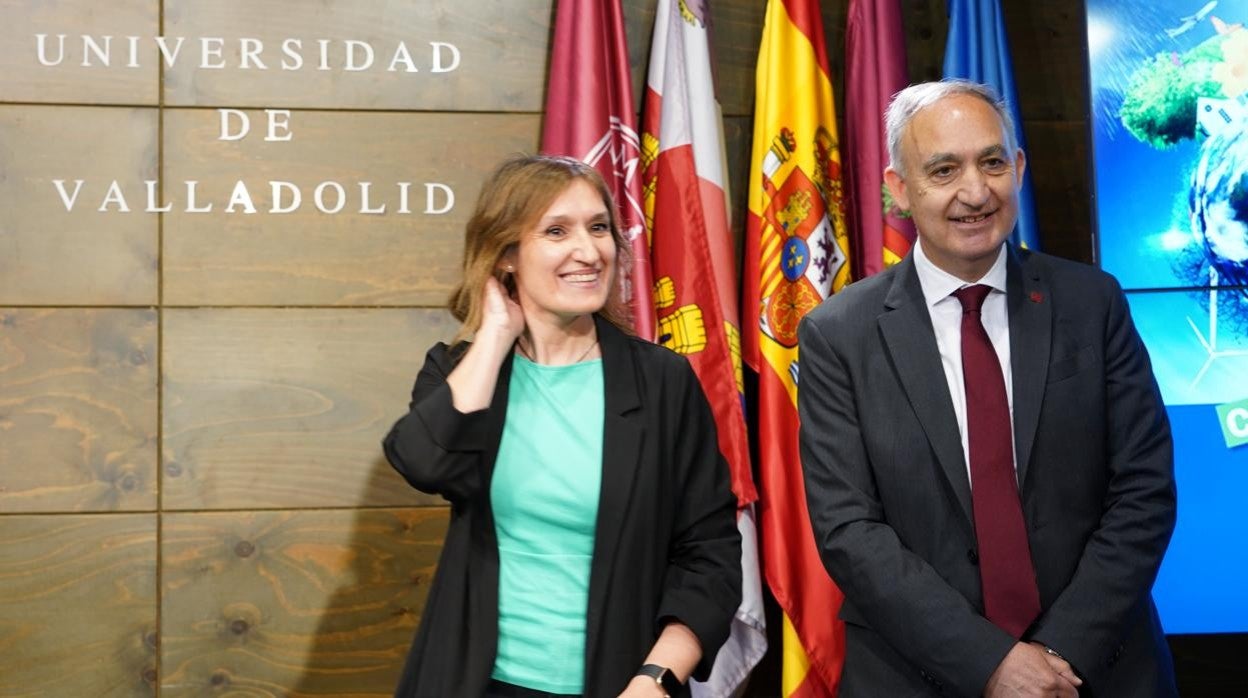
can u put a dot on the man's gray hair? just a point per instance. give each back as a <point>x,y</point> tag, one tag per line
<point>915,98</point>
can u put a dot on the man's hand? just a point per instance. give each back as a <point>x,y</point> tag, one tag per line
<point>1061,666</point>
<point>1029,671</point>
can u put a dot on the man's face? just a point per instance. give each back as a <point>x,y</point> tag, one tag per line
<point>960,184</point>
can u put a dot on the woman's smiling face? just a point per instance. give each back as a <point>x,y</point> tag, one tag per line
<point>565,263</point>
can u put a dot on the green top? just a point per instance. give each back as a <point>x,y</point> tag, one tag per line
<point>545,499</point>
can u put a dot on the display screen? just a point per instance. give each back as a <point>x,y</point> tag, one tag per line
<point>1169,97</point>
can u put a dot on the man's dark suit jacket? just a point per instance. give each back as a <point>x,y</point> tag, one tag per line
<point>890,502</point>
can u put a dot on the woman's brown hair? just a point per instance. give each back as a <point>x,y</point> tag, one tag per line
<point>513,199</point>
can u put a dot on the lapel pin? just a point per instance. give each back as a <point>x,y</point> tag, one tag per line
<point>1037,297</point>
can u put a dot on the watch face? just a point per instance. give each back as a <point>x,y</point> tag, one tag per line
<point>671,685</point>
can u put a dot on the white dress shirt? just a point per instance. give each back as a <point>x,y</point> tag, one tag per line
<point>946,313</point>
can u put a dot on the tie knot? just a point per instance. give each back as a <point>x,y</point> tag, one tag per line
<point>972,297</point>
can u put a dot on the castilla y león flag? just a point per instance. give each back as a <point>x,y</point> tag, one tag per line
<point>589,116</point>
<point>695,291</point>
<point>796,255</point>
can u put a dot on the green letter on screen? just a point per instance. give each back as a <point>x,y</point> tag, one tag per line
<point>1233,416</point>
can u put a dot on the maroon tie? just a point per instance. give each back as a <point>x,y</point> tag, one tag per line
<point>1011,599</point>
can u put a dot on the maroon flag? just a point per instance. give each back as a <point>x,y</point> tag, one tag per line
<point>875,60</point>
<point>590,116</point>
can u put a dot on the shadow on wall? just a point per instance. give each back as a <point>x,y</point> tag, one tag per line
<point>312,602</point>
<point>379,575</point>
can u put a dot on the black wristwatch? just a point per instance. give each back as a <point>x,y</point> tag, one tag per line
<point>663,677</point>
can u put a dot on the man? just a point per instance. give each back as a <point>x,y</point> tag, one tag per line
<point>988,463</point>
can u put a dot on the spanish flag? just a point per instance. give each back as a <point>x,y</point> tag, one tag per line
<point>796,255</point>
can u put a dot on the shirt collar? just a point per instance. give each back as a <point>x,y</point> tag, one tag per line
<point>938,284</point>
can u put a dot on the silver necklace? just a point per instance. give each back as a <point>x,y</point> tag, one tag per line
<point>525,352</point>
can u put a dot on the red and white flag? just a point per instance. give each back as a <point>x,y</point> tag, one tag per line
<point>695,291</point>
<point>590,116</point>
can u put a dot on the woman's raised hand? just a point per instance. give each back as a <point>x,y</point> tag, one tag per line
<point>501,313</point>
<point>472,382</point>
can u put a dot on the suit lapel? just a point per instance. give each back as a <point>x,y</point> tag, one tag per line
<point>1031,324</point>
<point>906,327</point>
<point>621,449</point>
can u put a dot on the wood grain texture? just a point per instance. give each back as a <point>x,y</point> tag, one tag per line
<point>308,257</point>
<point>926,24</point>
<point>53,256</point>
<point>1049,43</point>
<point>287,408</point>
<point>501,44</point>
<point>736,28</point>
<point>312,603</point>
<point>78,605</point>
<point>24,78</point>
<point>638,28</point>
<point>738,135</point>
<point>1058,158</point>
<point>77,410</point>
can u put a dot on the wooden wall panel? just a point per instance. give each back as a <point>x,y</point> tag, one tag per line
<point>738,136</point>
<point>78,605</point>
<point>52,256</point>
<point>1058,155</point>
<point>1049,41</point>
<point>25,78</point>
<point>287,408</point>
<point>309,257</point>
<point>735,32</point>
<point>926,22</point>
<point>293,603</point>
<point>638,27</point>
<point>77,410</point>
<point>502,47</point>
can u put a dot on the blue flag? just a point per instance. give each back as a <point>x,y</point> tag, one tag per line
<point>978,49</point>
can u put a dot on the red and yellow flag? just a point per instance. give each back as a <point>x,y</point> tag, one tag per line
<point>692,260</point>
<point>695,279</point>
<point>796,255</point>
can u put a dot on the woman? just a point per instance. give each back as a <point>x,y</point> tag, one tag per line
<point>592,547</point>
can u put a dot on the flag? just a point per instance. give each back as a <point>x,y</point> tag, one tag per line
<point>796,254</point>
<point>978,49</point>
<point>875,65</point>
<point>589,116</point>
<point>695,287</point>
